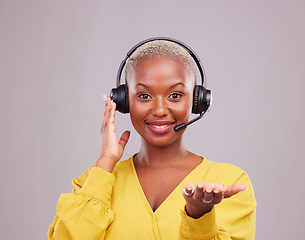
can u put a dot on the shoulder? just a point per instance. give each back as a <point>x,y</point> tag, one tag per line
<point>222,172</point>
<point>123,166</point>
<point>222,167</point>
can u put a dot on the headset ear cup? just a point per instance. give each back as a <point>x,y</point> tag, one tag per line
<point>195,99</point>
<point>201,99</point>
<point>126,100</point>
<point>120,97</point>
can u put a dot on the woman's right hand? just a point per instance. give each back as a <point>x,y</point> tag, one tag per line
<point>112,149</point>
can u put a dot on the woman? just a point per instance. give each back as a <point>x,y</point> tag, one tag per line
<point>163,191</point>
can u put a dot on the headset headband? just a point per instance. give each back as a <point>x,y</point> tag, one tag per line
<point>187,48</point>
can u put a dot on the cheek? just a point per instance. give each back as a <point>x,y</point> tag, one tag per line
<point>134,107</point>
<point>137,111</point>
<point>184,109</point>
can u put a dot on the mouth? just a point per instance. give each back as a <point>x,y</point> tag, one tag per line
<point>160,127</point>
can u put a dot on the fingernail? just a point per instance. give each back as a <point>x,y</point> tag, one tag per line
<point>247,187</point>
<point>105,97</point>
<point>216,191</point>
<point>208,190</point>
<point>200,185</point>
<point>188,191</point>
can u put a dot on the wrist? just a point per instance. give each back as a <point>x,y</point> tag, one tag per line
<point>196,211</point>
<point>104,164</point>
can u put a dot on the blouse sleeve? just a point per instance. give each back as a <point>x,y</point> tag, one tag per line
<point>233,218</point>
<point>85,213</point>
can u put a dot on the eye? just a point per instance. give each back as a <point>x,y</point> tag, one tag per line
<point>144,96</point>
<point>175,95</point>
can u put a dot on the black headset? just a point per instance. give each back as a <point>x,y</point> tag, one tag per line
<point>201,97</point>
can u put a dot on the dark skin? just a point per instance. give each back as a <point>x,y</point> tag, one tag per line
<point>160,97</point>
<point>165,177</point>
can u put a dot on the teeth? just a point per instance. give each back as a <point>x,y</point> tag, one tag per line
<point>162,126</point>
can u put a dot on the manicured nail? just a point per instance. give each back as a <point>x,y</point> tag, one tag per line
<point>200,185</point>
<point>208,190</point>
<point>247,187</point>
<point>216,191</point>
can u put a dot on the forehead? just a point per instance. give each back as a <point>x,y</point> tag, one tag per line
<point>160,69</point>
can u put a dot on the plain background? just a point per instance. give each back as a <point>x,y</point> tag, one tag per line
<point>57,58</point>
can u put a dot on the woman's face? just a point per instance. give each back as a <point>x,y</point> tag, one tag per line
<point>160,97</point>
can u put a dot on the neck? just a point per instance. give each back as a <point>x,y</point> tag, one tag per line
<point>150,155</point>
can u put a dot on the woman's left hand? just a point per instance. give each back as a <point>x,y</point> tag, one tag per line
<point>201,198</point>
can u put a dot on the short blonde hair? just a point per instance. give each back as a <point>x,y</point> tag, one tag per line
<point>161,47</point>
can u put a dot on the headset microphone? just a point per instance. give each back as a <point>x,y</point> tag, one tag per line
<point>182,126</point>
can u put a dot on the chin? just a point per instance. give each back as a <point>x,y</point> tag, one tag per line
<point>162,142</point>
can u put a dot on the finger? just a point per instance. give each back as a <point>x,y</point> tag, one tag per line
<point>232,190</point>
<point>124,139</point>
<point>198,193</point>
<point>218,193</point>
<point>105,98</point>
<point>188,191</point>
<point>112,112</point>
<point>208,196</point>
<point>106,112</point>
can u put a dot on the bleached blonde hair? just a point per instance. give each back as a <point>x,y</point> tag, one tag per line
<point>161,47</point>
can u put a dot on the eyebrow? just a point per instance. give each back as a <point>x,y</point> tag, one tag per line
<point>175,85</point>
<point>143,85</point>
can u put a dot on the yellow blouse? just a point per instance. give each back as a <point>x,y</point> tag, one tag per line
<point>113,206</point>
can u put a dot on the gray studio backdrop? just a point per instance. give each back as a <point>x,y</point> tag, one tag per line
<point>57,58</point>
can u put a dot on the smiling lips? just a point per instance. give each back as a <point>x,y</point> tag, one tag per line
<point>160,127</point>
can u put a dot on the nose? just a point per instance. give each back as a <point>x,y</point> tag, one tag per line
<point>160,107</point>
